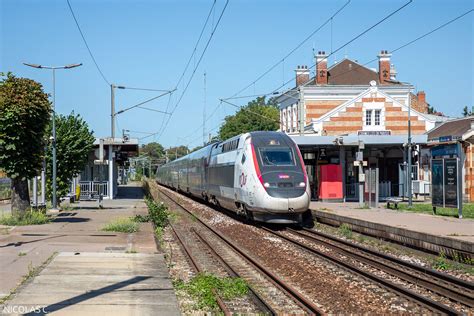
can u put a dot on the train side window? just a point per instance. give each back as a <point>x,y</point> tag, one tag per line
<point>243,158</point>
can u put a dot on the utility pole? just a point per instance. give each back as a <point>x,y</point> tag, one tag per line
<point>112,111</point>
<point>410,198</point>
<point>53,68</point>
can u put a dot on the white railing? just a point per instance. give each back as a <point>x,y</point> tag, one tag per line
<point>92,189</point>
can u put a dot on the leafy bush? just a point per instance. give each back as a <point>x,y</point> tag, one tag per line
<point>158,213</point>
<point>29,218</point>
<point>201,288</point>
<point>141,218</point>
<point>122,225</point>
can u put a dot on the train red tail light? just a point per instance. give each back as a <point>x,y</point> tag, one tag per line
<point>257,167</point>
<point>302,165</point>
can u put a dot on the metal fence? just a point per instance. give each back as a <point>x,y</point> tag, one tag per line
<point>92,189</point>
<point>5,191</point>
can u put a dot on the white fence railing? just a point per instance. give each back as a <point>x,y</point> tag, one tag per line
<point>92,189</point>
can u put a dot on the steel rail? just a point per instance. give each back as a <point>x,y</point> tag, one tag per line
<point>298,298</point>
<point>400,290</point>
<point>255,296</point>
<point>443,284</point>
<point>198,269</point>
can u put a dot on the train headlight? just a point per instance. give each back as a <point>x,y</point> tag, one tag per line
<point>302,184</point>
<point>266,185</point>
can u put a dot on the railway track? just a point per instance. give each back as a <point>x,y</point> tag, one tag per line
<point>444,285</point>
<point>400,289</point>
<point>300,300</point>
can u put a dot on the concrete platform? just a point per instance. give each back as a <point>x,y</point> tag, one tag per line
<point>431,233</point>
<point>102,275</point>
<point>97,283</point>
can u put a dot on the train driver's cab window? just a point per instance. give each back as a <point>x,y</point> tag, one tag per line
<point>277,156</point>
<point>243,159</point>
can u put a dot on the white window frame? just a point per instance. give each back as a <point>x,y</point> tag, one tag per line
<point>374,106</point>
<point>368,117</point>
<point>377,119</point>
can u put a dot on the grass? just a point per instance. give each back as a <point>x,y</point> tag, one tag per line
<point>29,218</point>
<point>467,209</point>
<point>131,251</point>
<point>204,286</point>
<point>122,225</point>
<point>345,230</point>
<point>21,254</point>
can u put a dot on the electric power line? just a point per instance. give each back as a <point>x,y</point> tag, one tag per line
<point>85,42</point>
<point>293,50</point>
<point>160,133</point>
<point>391,51</point>
<point>190,58</point>
<point>350,41</point>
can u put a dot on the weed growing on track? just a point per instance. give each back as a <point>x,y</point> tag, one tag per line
<point>345,231</point>
<point>202,286</point>
<point>157,213</point>
<point>122,225</point>
<point>29,218</point>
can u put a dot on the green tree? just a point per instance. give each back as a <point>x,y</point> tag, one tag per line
<point>154,150</point>
<point>74,143</point>
<point>466,112</point>
<point>177,152</point>
<point>24,115</point>
<point>257,115</point>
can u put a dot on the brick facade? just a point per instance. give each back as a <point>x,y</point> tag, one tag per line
<point>393,118</point>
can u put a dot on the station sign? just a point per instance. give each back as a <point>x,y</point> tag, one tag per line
<point>445,182</point>
<point>374,133</point>
<point>445,151</point>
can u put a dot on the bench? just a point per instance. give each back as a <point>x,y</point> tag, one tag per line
<point>394,201</point>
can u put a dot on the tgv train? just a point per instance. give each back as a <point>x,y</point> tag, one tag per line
<point>260,175</point>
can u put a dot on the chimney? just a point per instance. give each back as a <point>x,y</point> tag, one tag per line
<point>384,66</point>
<point>421,96</point>
<point>302,75</point>
<point>321,68</point>
<point>421,105</point>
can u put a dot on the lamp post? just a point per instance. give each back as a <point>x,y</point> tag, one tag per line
<point>53,68</point>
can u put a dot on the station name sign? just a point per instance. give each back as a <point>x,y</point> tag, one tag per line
<point>374,133</point>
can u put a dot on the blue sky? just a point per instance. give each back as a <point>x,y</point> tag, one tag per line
<point>146,43</point>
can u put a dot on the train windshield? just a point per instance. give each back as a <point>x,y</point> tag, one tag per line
<point>277,156</point>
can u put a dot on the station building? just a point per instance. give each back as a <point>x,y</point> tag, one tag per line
<point>347,106</point>
<point>105,178</point>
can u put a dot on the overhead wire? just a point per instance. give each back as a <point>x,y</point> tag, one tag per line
<point>275,91</point>
<point>293,50</point>
<point>160,133</point>
<point>398,48</point>
<point>191,56</point>
<point>278,63</point>
<point>351,41</point>
<point>85,42</point>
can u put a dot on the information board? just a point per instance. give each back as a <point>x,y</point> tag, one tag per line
<point>437,183</point>
<point>451,182</point>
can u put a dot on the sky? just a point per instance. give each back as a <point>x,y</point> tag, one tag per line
<point>147,43</point>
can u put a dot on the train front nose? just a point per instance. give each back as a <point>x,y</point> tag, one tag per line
<point>287,191</point>
<point>281,184</point>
